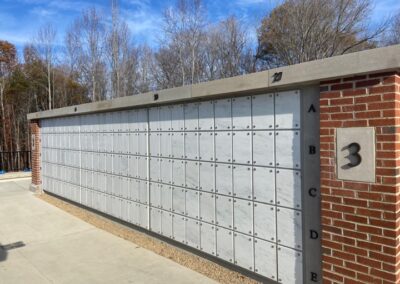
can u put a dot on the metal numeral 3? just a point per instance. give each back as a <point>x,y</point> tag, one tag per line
<point>354,157</point>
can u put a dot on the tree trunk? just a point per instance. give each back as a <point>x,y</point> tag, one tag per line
<point>93,89</point>
<point>49,83</point>
<point>3,119</point>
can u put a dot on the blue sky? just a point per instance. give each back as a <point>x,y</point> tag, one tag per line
<point>20,19</point>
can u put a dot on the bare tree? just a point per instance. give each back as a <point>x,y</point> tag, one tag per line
<point>394,32</point>
<point>169,71</point>
<point>8,61</point>
<point>226,50</point>
<point>85,41</point>
<point>72,51</point>
<point>121,54</point>
<point>145,70</point>
<point>45,46</point>
<point>304,30</point>
<point>184,30</point>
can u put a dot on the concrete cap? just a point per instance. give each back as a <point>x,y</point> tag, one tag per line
<point>358,63</point>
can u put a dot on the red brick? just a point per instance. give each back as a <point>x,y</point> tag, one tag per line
<point>389,267</point>
<point>369,245</point>
<point>355,202</point>
<point>344,240</point>
<point>330,109</point>
<point>370,196</point>
<point>384,241</point>
<point>390,180</point>
<point>355,235</point>
<point>342,116</point>
<point>352,281</point>
<point>332,245</point>
<point>332,229</point>
<point>389,80</point>
<point>333,276</point>
<point>329,82</point>
<point>355,78</point>
<point>369,212</point>
<point>355,92</point>
<point>391,97</point>
<point>368,83</point>
<point>324,116</point>
<point>360,224</point>
<point>367,114</point>
<point>330,95</point>
<point>357,267</point>
<point>357,219</point>
<point>370,262</point>
<point>382,89</point>
<point>383,223</point>
<point>380,106</point>
<point>332,214</point>
<point>355,123</point>
<point>391,146</point>
<point>344,224</point>
<point>359,107</point>
<point>332,183</point>
<point>385,155</point>
<point>344,271</point>
<point>389,215</point>
<point>390,250</point>
<point>333,260</point>
<point>366,278</point>
<point>355,250</point>
<point>343,193</point>
<point>356,185</point>
<point>386,138</point>
<point>384,275</point>
<point>323,132</point>
<point>382,257</point>
<point>368,99</point>
<point>342,101</point>
<point>326,146</point>
<point>389,113</point>
<point>323,102</point>
<point>382,206</point>
<point>344,209</point>
<point>386,172</point>
<point>380,122</point>
<point>343,86</point>
<point>330,124</point>
<point>383,74</point>
<point>36,174</point>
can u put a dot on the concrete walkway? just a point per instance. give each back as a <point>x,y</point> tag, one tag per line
<point>40,243</point>
<point>15,175</point>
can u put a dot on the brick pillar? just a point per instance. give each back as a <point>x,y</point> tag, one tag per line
<point>360,221</point>
<point>35,148</point>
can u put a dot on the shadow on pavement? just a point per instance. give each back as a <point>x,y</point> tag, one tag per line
<point>3,254</point>
<point>5,248</point>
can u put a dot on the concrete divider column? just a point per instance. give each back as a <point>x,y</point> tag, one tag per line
<point>35,148</point>
<point>360,219</point>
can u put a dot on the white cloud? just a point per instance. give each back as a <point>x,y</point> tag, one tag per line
<point>247,3</point>
<point>143,21</point>
<point>72,5</point>
<point>43,12</point>
<point>251,2</point>
<point>17,39</point>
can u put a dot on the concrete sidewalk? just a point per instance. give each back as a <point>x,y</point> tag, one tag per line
<point>40,243</point>
<point>15,175</point>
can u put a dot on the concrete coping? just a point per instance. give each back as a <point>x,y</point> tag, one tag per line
<point>308,73</point>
